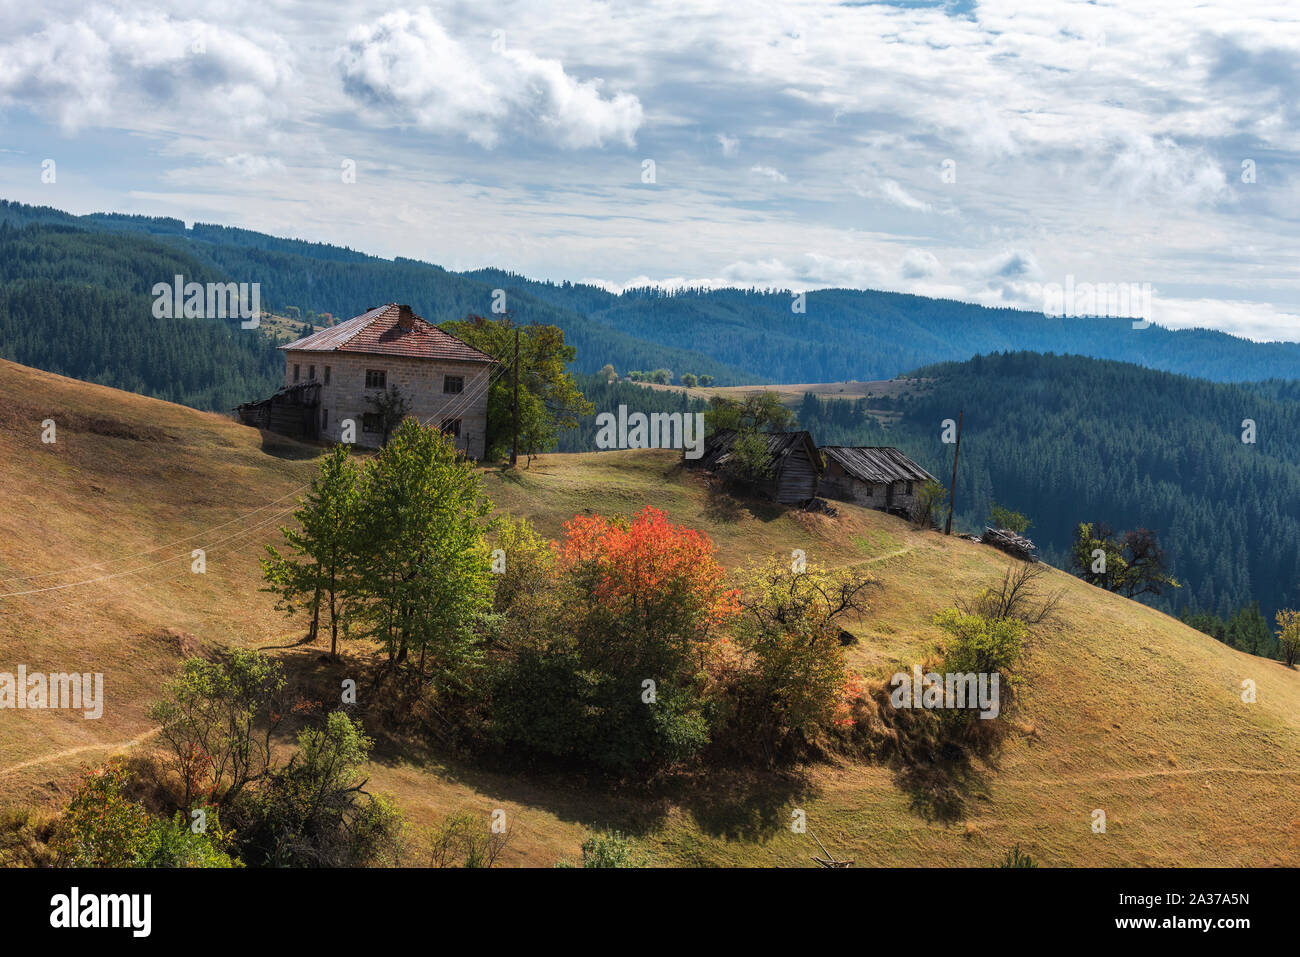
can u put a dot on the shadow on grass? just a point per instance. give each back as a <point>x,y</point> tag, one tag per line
<point>283,447</point>
<point>571,796</point>
<point>746,805</point>
<point>515,474</point>
<point>731,805</point>
<point>940,791</point>
<point>728,506</point>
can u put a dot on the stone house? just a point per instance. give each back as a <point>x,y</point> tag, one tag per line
<point>445,380</point>
<point>875,476</point>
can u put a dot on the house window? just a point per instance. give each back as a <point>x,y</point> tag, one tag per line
<point>311,373</point>
<point>453,383</point>
<point>327,375</point>
<point>295,372</point>
<point>376,379</point>
<point>372,422</point>
<point>324,419</point>
<point>450,427</point>
<point>909,488</point>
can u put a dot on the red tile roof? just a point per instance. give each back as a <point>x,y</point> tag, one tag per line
<point>379,332</point>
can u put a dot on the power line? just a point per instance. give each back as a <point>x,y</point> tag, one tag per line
<point>149,551</point>
<point>133,571</point>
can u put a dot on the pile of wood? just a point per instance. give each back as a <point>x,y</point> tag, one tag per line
<point>1010,542</point>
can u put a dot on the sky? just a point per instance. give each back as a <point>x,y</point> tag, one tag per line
<point>971,150</point>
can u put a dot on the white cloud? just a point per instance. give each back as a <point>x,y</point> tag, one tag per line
<point>870,183</point>
<point>1251,320</point>
<point>891,191</point>
<point>812,270</point>
<point>919,264</point>
<point>1143,167</point>
<point>114,68</point>
<point>1010,264</point>
<point>251,165</point>
<point>1095,139</point>
<point>407,65</point>
<point>775,175</point>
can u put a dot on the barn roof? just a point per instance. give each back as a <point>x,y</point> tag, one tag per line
<point>391,330</point>
<point>297,390</point>
<point>717,448</point>
<point>876,464</point>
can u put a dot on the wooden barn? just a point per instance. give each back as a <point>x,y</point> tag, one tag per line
<point>877,477</point>
<point>293,411</point>
<point>794,465</point>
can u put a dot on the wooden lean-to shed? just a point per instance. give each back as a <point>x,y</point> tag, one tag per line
<point>793,463</point>
<point>292,411</point>
<point>876,476</point>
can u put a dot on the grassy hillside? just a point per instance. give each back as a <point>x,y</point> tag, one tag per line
<point>1123,708</point>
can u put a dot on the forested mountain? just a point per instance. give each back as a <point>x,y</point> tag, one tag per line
<point>78,303</point>
<point>845,334</point>
<point>1066,439</point>
<point>313,277</point>
<point>737,336</point>
<point>606,396</point>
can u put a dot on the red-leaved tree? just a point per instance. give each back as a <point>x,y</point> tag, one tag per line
<point>656,593</point>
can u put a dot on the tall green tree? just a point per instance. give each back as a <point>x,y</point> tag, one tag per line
<point>751,418</point>
<point>1002,517</point>
<point>760,412</point>
<point>317,568</point>
<point>216,722</point>
<point>424,575</point>
<point>549,399</point>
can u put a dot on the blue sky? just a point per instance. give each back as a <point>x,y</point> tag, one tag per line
<point>969,150</point>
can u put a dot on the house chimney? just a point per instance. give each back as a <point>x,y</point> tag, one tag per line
<point>405,317</point>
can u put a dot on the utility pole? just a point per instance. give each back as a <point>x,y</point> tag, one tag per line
<point>514,406</point>
<point>952,492</point>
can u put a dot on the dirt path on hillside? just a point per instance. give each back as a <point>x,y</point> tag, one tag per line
<point>1139,775</point>
<point>880,558</point>
<point>70,752</point>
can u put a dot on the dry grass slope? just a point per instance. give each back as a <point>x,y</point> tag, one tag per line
<point>1123,709</point>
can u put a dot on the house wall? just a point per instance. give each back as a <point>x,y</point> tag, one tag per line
<point>420,380</point>
<point>838,484</point>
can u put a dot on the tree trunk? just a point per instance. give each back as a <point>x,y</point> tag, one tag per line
<point>334,629</point>
<point>315,617</point>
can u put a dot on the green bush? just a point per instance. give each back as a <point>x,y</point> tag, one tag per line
<point>1012,521</point>
<point>610,849</point>
<point>464,839</point>
<point>546,703</point>
<point>1016,858</point>
<point>173,843</point>
<point>216,723</point>
<point>982,645</point>
<point>102,827</point>
<point>314,811</point>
